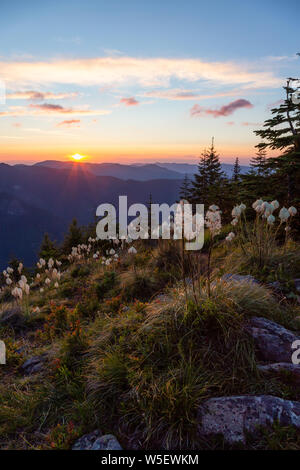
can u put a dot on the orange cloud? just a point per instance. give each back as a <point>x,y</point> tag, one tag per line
<point>225,110</point>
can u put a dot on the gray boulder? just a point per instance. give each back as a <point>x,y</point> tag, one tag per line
<point>94,441</point>
<point>34,364</point>
<point>86,442</point>
<point>282,367</point>
<point>273,341</point>
<point>297,284</point>
<point>233,417</point>
<point>239,278</point>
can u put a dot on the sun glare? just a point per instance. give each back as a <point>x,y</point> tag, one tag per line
<point>77,157</point>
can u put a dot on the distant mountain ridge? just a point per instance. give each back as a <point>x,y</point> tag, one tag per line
<point>139,172</point>
<point>45,197</point>
<point>117,170</point>
<point>37,199</point>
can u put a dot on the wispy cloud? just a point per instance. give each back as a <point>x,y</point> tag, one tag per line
<point>142,71</point>
<point>225,110</point>
<point>39,96</point>
<point>50,109</point>
<point>184,94</point>
<point>69,123</point>
<point>251,124</point>
<point>129,101</point>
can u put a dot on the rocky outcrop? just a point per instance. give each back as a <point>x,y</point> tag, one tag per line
<point>234,417</point>
<point>95,441</point>
<point>239,278</point>
<point>34,364</point>
<point>273,341</point>
<point>292,370</point>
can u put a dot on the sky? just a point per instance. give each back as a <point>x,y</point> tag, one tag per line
<point>134,81</point>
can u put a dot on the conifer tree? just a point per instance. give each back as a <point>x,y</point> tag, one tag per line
<point>282,133</point>
<point>206,188</point>
<point>236,171</point>
<point>185,188</point>
<point>259,163</point>
<point>48,248</point>
<point>74,237</point>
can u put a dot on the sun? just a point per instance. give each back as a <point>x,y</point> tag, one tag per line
<point>77,157</point>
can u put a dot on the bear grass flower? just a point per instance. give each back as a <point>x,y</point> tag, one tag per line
<point>213,222</point>
<point>236,211</point>
<point>230,237</point>
<point>214,208</point>
<point>275,204</point>
<point>292,210</point>
<point>258,202</point>
<point>284,214</point>
<point>271,219</point>
<point>17,293</point>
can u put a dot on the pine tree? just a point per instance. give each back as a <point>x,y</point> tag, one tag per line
<point>74,237</point>
<point>48,248</point>
<point>282,133</point>
<point>185,188</point>
<point>206,188</point>
<point>236,171</point>
<point>259,163</point>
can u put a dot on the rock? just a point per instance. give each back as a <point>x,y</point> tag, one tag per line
<point>292,369</point>
<point>34,364</point>
<point>275,285</point>
<point>233,417</point>
<point>13,317</point>
<point>107,442</point>
<point>297,284</point>
<point>239,278</point>
<point>94,441</point>
<point>86,442</point>
<point>273,341</point>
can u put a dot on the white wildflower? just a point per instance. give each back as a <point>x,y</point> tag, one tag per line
<point>284,214</point>
<point>258,202</point>
<point>292,210</point>
<point>271,219</point>
<point>275,204</point>
<point>230,237</point>
<point>236,211</point>
<point>214,208</point>
<point>213,222</point>
<point>132,250</point>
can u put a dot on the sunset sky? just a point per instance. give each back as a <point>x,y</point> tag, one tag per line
<point>128,81</point>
